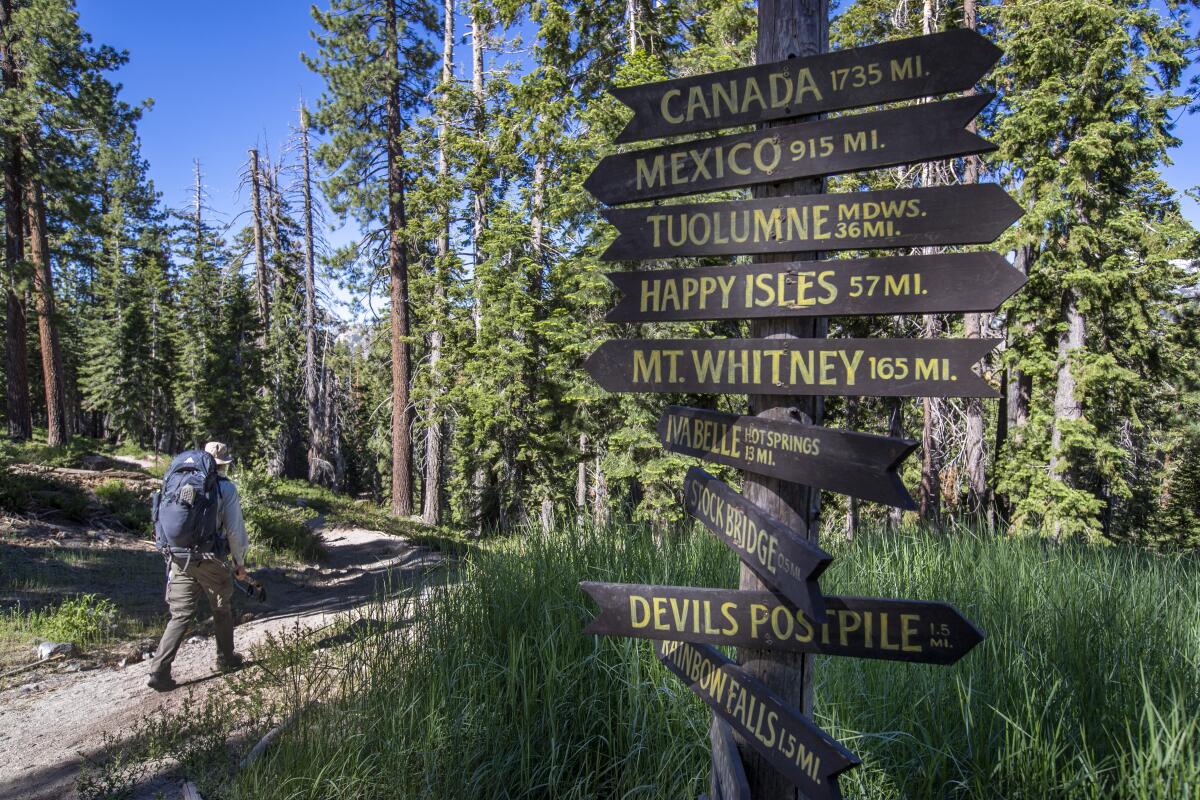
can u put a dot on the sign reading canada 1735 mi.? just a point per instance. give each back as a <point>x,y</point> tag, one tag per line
<point>826,147</point>
<point>783,558</point>
<point>974,214</point>
<point>923,66</point>
<point>856,464</point>
<point>787,739</point>
<point>860,367</point>
<point>919,631</point>
<point>926,284</point>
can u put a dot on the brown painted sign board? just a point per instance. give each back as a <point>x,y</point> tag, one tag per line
<point>729,781</point>
<point>855,367</point>
<point>787,739</point>
<point>941,215</point>
<point>917,631</point>
<point>779,555</point>
<point>924,284</point>
<point>923,66</point>
<point>860,465</point>
<point>808,149</point>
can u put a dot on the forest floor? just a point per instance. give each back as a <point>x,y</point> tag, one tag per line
<point>58,714</point>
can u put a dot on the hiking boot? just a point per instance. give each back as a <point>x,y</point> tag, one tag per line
<point>161,683</point>
<point>230,663</point>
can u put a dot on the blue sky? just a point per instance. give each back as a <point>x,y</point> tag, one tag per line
<point>226,76</point>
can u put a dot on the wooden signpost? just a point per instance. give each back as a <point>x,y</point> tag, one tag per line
<point>922,66</point>
<point>941,215</point>
<point>780,555</point>
<point>918,631</point>
<point>764,744</point>
<point>924,284</point>
<point>790,741</point>
<point>879,367</point>
<point>825,147</point>
<point>856,464</point>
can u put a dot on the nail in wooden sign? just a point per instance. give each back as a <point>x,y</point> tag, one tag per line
<point>917,631</point>
<point>922,66</point>
<point>792,744</point>
<point>860,465</point>
<point>858,367</point>
<point>974,214</point>
<point>782,557</point>
<point>728,781</point>
<point>925,284</point>
<point>826,147</point>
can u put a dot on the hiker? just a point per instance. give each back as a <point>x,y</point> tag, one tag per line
<point>197,522</point>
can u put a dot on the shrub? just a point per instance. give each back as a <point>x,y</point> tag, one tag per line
<point>129,507</point>
<point>85,620</point>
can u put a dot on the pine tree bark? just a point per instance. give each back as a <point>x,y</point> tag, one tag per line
<point>581,481</point>
<point>537,294</point>
<point>974,325</point>
<point>398,274</point>
<point>1067,408</point>
<point>1020,385</point>
<point>786,29</point>
<point>929,494</point>
<point>58,426</point>
<point>16,358</point>
<point>432,483</point>
<point>479,32</point>
<point>261,292</point>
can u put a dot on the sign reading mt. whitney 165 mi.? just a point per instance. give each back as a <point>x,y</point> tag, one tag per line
<point>927,284</point>
<point>783,558</point>
<point>856,464</point>
<point>974,214</point>
<point>860,367</point>
<point>923,66</point>
<point>918,631</point>
<point>792,744</point>
<point>826,147</point>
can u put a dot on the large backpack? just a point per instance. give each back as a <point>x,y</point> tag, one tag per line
<point>185,511</point>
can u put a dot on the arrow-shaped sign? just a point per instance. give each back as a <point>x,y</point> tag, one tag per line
<point>787,739</point>
<point>783,558</point>
<point>922,66</point>
<point>857,464</point>
<point>858,367</point>
<point>974,214</point>
<point>827,147</point>
<point>926,284</point>
<point>919,631</point>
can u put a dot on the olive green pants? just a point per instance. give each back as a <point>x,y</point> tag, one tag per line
<point>188,580</point>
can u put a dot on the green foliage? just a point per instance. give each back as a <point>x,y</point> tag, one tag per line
<point>493,692</point>
<point>274,524</point>
<point>86,620</point>
<point>129,507</point>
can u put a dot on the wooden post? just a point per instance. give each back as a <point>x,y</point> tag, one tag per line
<point>786,29</point>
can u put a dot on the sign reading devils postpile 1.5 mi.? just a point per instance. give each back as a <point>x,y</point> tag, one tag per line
<point>941,215</point>
<point>926,284</point>
<point>826,147</point>
<point>859,627</point>
<point>923,66</point>
<point>856,464</point>
<point>866,367</point>
<point>788,740</point>
<point>786,561</point>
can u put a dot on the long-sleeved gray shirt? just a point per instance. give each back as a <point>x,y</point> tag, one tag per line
<point>231,523</point>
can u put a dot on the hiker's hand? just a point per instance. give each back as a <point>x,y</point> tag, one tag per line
<point>240,573</point>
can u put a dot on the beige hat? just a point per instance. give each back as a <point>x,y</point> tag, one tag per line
<point>220,453</point>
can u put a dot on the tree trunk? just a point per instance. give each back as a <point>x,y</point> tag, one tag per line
<point>852,422</point>
<point>600,508</point>
<point>479,32</point>
<point>398,272</point>
<point>1067,407</point>
<point>581,481</point>
<point>260,257</point>
<point>432,483</point>
<point>974,325</point>
<point>631,20</point>
<point>16,358</point>
<point>786,29</point>
<point>58,426</point>
<point>537,295</point>
<point>1020,385</point>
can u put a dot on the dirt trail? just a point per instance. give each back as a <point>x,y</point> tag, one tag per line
<point>46,723</point>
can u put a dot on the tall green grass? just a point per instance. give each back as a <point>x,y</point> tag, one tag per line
<point>1085,688</point>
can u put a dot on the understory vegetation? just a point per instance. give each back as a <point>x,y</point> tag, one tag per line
<point>1083,689</point>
